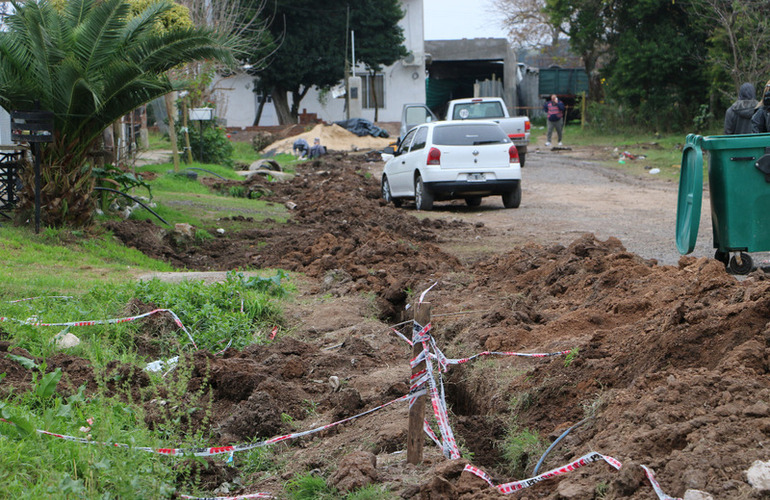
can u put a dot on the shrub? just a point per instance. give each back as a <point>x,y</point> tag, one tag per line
<point>216,147</point>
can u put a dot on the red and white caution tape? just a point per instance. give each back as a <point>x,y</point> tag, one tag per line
<point>219,450</point>
<point>239,497</point>
<point>460,361</point>
<point>403,337</point>
<point>514,486</point>
<point>94,322</point>
<point>41,297</point>
<point>655,486</point>
<point>421,335</point>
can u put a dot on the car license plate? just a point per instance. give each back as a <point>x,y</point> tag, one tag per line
<point>477,177</point>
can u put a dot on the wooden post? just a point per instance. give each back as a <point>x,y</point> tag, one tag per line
<point>415,439</point>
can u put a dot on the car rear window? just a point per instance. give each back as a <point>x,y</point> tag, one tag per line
<point>476,110</point>
<point>469,135</point>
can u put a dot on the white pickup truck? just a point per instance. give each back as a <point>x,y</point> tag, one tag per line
<point>493,108</point>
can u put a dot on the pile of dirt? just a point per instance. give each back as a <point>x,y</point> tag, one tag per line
<point>339,226</point>
<point>669,364</point>
<point>333,137</point>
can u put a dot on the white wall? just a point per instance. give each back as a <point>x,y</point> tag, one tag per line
<point>404,82</point>
<point>5,128</point>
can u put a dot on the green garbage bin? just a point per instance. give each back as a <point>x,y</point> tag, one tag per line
<point>739,184</point>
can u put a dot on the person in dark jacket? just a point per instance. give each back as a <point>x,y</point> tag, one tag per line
<point>738,116</point>
<point>760,122</point>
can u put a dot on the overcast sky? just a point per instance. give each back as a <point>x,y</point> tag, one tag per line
<point>456,19</point>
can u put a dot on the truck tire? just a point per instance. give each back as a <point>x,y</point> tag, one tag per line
<point>522,158</point>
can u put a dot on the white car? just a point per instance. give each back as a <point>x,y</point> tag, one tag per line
<point>448,160</point>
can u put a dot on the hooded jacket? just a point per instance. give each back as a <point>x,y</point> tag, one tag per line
<point>738,116</point>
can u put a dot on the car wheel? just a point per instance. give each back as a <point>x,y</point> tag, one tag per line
<point>386,195</point>
<point>522,158</point>
<point>512,199</point>
<point>473,201</point>
<point>423,198</point>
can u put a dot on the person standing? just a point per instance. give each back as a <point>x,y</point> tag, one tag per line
<point>738,116</point>
<point>760,122</point>
<point>554,110</point>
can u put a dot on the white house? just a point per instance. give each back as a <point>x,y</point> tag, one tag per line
<point>401,83</point>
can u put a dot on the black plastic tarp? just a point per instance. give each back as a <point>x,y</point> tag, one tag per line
<point>362,127</point>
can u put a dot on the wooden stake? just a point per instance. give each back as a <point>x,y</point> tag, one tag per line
<point>415,439</point>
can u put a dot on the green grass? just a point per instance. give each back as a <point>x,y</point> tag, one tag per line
<point>97,272</point>
<point>180,199</point>
<point>158,141</point>
<point>662,151</point>
<point>244,153</point>
<point>311,487</point>
<point>61,262</point>
<point>521,449</point>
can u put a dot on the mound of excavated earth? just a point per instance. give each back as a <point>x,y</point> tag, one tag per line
<point>669,363</point>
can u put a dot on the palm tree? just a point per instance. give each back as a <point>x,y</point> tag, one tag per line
<point>90,62</point>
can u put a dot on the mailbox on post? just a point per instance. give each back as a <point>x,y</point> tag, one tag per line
<point>201,115</point>
<point>35,128</point>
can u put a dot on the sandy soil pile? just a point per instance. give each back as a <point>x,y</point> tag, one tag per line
<point>334,137</point>
<point>671,365</point>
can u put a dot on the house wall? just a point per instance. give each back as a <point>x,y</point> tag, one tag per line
<point>404,82</point>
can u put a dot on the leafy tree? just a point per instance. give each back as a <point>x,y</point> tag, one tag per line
<point>656,68</point>
<point>312,50</point>
<point>90,63</point>
<point>527,23</point>
<point>739,44</point>
<point>377,43</point>
<point>588,24</point>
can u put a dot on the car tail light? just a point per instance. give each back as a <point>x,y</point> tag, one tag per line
<point>434,157</point>
<point>513,154</point>
<point>527,126</point>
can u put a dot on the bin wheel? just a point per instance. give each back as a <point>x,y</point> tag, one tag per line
<point>744,267</point>
<point>722,257</point>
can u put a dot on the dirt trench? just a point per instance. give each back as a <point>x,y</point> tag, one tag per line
<point>670,362</point>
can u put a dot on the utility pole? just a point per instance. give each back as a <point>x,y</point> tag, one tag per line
<point>347,65</point>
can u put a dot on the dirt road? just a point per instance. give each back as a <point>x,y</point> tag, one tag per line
<point>565,196</point>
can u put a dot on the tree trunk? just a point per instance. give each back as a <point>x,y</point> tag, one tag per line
<point>373,92</point>
<point>281,103</point>
<point>260,108</point>
<point>170,108</point>
<point>297,96</point>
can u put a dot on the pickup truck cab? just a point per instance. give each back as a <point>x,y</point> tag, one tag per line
<point>453,160</point>
<point>517,128</point>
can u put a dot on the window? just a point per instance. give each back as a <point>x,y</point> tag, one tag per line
<point>420,138</point>
<point>373,86</point>
<point>469,135</point>
<point>478,110</point>
<point>263,97</point>
<point>404,146</point>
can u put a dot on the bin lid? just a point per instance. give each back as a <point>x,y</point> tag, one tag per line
<point>690,195</point>
<point>739,141</point>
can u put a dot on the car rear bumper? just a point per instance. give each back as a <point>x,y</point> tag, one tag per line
<point>460,188</point>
